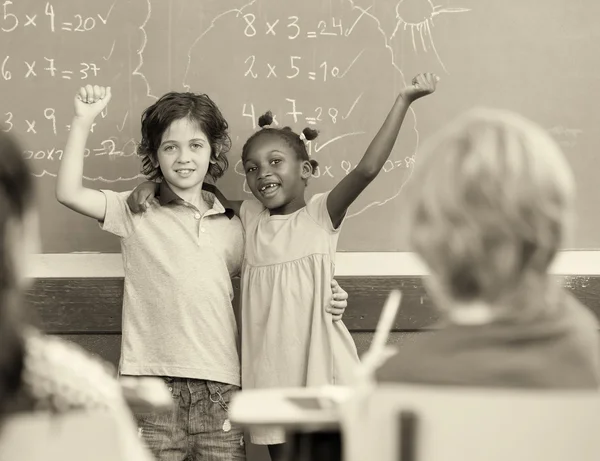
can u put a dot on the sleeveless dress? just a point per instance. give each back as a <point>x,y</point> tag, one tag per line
<point>288,340</point>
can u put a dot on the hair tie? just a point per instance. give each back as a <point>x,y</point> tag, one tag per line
<point>303,138</point>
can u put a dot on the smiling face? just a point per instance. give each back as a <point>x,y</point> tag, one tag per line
<point>184,158</point>
<point>275,174</point>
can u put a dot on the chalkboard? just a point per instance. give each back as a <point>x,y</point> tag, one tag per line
<point>336,65</point>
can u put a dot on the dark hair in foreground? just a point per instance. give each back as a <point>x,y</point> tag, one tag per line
<point>286,134</point>
<point>16,198</point>
<point>198,108</point>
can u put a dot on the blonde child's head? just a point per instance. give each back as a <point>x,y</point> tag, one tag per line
<point>490,204</point>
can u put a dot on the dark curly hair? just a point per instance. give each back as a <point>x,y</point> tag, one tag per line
<point>16,198</point>
<point>287,134</point>
<point>173,106</point>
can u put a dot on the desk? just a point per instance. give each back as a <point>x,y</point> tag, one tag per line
<point>309,416</point>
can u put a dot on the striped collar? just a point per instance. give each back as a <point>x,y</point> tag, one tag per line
<point>166,196</point>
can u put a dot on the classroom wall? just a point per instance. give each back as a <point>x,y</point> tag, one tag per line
<point>339,65</point>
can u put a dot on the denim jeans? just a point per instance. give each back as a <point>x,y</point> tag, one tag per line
<point>197,428</point>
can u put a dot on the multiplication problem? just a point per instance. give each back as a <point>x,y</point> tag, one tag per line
<point>390,165</point>
<point>9,122</point>
<point>338,169</point>
<point>31,69</point>
<point>10,21</point>
<point>316,116</point>
<point>108,147</point>
<point>290,27</point>
<point>347,166</point>
<point>319,112</point>
<point>322,72</point>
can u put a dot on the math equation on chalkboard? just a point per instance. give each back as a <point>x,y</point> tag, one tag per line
<point>336,66</point>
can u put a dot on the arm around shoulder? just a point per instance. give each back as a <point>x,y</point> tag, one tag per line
<point>235,205</point>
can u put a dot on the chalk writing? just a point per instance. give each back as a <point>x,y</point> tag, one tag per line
<point>291,28</point>
<point>107,147</point>
<point>29,70</point>
<point>73,23</point>
<point>48,113</point>
<point>421,24</point>
<point>321,72</point>
<point>566,137</point>
<point>320,62</point>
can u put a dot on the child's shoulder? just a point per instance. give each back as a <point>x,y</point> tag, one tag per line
<point>118,218</point>
<point>253,205</point>
<point>317,209</point>
<point>116,202</point>
<point>116,195</point>
<point>249,209</point>
<point>319,197</point>
<point>317,200</point>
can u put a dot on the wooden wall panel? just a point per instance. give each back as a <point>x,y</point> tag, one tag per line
<point>93,305</point>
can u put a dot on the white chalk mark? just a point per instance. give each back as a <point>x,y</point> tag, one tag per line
<point>237,11</point>
<point>344,117</point>
<point>105,19</point>
<point>422,35</point>
<point>439,10</point>
<point>123,124</point>
<point>435,49</point>
<point>391,51</point>
<point>423,28</point>
<point>106,58</point>
<point>337,138</point>
<point>398,23</point>
<point>95,179</point>
<point>371,205</point>
<point>237,170</point>
<point>352,63</point>
<point>351,28</point>
<point>563,131</point>
<point>133,152</point>
<point>383,202</point>
<point>140,52</point>
<point>382,32</point>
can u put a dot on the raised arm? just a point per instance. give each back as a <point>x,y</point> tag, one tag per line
<point>349,188</point>
<point>89,102</point>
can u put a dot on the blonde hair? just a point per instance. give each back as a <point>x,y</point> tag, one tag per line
<point>490,201</point>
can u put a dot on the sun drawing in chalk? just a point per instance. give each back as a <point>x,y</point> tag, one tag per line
<point>417,18</point>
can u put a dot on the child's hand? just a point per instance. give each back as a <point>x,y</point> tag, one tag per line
<point>422,85</point>
<point>339,301</point>
<point>140,198</point>
<point>91,100</point>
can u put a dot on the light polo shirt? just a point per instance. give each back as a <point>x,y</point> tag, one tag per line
<point>178,318</point>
